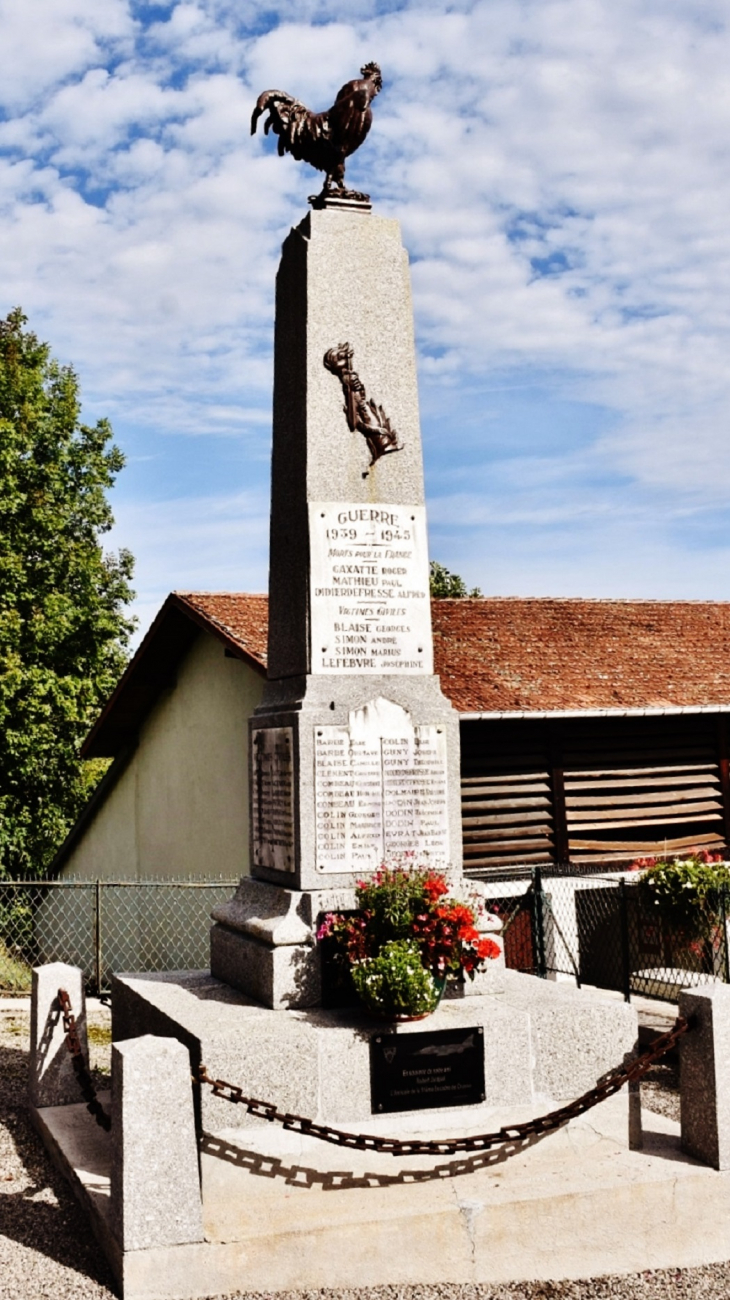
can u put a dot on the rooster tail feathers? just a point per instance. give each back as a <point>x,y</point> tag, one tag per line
<point>290,120</point>
<point>270,100</point>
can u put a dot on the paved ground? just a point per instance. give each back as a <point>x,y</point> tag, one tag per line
<point>46,1249</point>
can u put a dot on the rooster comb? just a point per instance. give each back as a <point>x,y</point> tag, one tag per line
<point>373,70</point>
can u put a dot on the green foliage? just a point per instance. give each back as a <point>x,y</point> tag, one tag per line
<point>393,898</point>
<point>16,920</point>
<point>445,585</point>
<point>16,975</point>
<point>685,892</point>
<point>16,937</point>
<point>63,633</point>
<point>395,983</point>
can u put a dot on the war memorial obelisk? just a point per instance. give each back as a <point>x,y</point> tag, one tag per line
<point>354,751</point>
<point>239,1175</point>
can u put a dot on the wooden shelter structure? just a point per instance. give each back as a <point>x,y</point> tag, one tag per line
<point>592,731</point>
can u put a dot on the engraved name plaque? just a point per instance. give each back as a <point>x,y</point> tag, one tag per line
<point>272,803</point>
<point>380,789</point>
<point>423,1071</point>
<point>370,606</point>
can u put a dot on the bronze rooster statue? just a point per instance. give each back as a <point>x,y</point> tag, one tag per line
<point>324,140</point>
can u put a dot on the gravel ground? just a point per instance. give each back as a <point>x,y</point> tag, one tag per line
<point>46,1249</point>
<point>660,1091</point>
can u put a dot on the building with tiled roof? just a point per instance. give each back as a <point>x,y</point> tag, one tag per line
<point>592,730</point>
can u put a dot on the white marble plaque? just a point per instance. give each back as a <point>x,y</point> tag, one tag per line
<point>380,790</point>
<point>272,803</point>
<point>370,606</point>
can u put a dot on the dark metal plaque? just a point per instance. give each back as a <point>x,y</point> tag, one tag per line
<point>424,1071</point>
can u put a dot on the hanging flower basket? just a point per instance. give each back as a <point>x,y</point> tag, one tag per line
<point>686,897</point>
<point>407,937</point>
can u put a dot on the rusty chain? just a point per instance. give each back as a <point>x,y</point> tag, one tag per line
<point>511,1133</point>
<point>630,1073</point>
<point>86,1083</point>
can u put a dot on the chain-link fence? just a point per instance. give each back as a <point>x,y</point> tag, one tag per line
<point>591,928</point>
<point>105,926</point>
<point>597,930</point>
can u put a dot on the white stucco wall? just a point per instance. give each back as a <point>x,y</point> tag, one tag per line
<point>180,809</point>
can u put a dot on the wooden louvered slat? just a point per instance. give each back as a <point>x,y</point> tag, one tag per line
<point>473,806</point>
<point>636,800</point>
<point>540,844</point>
<point>486,832</point>
<point>652,822</point>
<point>644,813</point>
<point>504,791</point>
<point>531,822</point>
<point>641,776</point>
<point>614,759</point>
<point>514,779</point>
<point>646,847</point>
<point>502,819</point>
<point>509,860</point>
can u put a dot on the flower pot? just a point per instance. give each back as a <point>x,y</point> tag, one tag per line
<point>404,1017</point>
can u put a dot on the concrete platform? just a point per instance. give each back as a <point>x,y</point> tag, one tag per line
<point>284,1212</point>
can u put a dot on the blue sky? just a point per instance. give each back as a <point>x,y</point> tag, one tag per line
<point>561,172</point>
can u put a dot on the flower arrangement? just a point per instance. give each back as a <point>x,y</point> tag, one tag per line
<point>406,937</point>
<point>685,893</point>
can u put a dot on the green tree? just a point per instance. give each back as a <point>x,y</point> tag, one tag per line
<point>63,630</point>
<point>445,585</point>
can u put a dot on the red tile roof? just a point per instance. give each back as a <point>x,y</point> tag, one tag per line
<point>544,654</point>
<point>241,619</point>
<point>513,654</point>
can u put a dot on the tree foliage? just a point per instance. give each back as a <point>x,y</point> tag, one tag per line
<point>445,585</point>
<point>63,630</point>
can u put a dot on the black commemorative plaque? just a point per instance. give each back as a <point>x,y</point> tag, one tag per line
<point>424,1071</point>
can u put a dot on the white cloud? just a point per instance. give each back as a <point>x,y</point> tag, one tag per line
<point>55,40</point>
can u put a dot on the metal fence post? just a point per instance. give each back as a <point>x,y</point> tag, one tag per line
<point>97,937</point>
<point>539,919</point>
<point>625,950</point>
<point>724,913</point>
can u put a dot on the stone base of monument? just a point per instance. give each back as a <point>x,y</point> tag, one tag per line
<point>542,1041</point>
<point>264,941</point>
<point>282,1212</point>
<point>193,1198</point>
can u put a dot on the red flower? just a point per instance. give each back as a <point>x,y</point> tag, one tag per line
<point>327,926</point>
<point>405,900</point>
<point>642,864</point>
<point>434,886</point>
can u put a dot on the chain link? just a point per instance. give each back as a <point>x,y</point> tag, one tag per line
<point>86,1083</point>
<point>630,1073</point>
